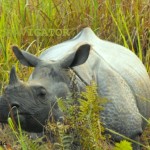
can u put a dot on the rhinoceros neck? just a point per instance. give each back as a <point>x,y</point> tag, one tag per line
<point>77,83</point>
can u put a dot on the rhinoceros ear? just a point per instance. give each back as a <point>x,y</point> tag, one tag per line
<point>25,58</point>
<point>77,57</point>
<point>13,79</point>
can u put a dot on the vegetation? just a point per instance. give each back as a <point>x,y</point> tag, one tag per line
<point>35,25</point>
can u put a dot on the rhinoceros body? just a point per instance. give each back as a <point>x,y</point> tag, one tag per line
<point>119,74</point>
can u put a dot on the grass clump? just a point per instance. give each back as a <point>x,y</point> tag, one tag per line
<point>22,138</point>
<point>83,119</point>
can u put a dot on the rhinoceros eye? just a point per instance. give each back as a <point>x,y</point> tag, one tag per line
<point>41,93</point>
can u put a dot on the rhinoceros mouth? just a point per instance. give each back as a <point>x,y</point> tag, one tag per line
<point>14,112</point>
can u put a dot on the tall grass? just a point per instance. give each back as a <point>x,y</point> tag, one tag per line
<point>123,22</point>
<point>119,21</point>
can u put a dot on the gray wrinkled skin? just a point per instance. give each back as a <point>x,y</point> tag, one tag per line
<point>120,75</point>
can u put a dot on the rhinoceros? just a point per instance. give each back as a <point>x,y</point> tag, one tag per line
<point>119,74</point>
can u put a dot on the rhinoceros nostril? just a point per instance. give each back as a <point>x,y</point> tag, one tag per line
<point>14,105</point>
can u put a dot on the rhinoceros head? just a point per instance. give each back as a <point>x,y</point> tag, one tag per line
<point>35,101</point>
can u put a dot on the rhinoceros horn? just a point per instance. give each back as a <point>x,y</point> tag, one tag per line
<point>13,77</point>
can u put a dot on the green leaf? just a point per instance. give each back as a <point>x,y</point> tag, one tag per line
<point>123,145</point>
